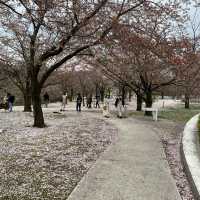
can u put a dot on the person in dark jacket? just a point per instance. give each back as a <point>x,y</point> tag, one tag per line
<point>78,103</point>
<point>116,102</point>
<point>89,101</point>
<point>97,101</point>
<point>46,99</point>
<point>11,100</point>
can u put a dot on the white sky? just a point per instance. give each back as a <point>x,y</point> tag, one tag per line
<point>194,13</point>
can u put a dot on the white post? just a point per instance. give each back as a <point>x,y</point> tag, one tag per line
<point>163,104</point>
<point>155,115</point>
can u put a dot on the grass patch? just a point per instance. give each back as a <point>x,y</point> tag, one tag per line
<point>195,106</point>
<point>136,113</point>
<point>179,114</point>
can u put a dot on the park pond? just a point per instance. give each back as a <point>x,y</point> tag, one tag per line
<point>48,163</point>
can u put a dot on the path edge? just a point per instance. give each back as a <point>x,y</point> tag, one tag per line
<point>190,154</point>
<point>71,195</point>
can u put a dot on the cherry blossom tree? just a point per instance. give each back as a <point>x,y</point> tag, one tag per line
<point>139,54</point>
<point>43,35</point>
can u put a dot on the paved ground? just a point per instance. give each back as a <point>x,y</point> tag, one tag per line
<point>134,168</point>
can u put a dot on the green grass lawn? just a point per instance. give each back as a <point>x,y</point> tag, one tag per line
<point>177,114</point>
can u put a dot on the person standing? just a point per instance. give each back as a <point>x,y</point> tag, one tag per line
<point>46,99</point>
<point>5,102</point>
<point>116,102</point>
<point>89,101</point>
<point>97,101</point>
<point>119,107</point>
<point>64,101</point>
<point>11,100</point>
<point>78,103</point>
<point>66,97</point>
<point>106,107</point>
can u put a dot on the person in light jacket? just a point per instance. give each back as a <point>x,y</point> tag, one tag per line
<point>64,101</point>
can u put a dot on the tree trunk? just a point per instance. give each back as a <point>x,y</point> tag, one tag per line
<point>130,95</point>
<point>148,102</point>
<point>139,102</point>
<point>27,102</point>
<point>37,108</point>
<point>109,93</point>
<point>97,92</point>
<point>102,93</point>
<point>83,100</point>
<point>187,101</point>
<point>162,95</point>
<point>123,95</point>
<point>71,94</point>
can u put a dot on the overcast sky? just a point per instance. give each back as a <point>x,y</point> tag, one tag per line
<point>194,13</point>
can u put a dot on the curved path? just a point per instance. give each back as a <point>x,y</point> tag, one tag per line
<point>133,168</point>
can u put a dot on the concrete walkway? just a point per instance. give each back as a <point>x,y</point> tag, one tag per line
<point>134,168</point>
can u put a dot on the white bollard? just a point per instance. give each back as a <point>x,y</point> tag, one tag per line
<point>155,115</point>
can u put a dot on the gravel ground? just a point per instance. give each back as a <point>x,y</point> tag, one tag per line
<point>48,163</point>
<point>170,134</point>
